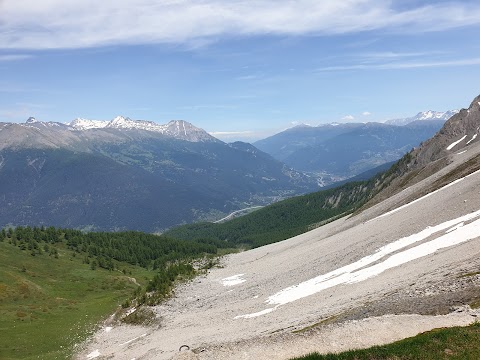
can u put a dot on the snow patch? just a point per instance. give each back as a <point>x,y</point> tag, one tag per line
<point>86,124</point>
<point>423,197</point>
<point>130,311</point>
<point>233,280</point>
<point>359,270</point>
<point>462,152</point>
<point>452,145</point>
<point>362,269</point>
<point>108,329</point>
<point>473,138</point>
<point>93,354</point>
<point>130,341</point>
<point>260,313</point>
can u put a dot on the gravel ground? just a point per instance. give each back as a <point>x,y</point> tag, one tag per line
<point>204,313</point>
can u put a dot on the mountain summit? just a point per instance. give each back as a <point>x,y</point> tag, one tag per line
<point>458,132</point>
<point>178,129</point>
<point>423,116</point>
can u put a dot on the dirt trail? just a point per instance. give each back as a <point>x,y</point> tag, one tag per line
<point>355,334</point>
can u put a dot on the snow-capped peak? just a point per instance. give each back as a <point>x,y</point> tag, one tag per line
<point>424,116</point>
<point>122,122</point>
<point>178,129</point>
<point>435,115</point>
<point>31,120</point>
<point>86,124</point>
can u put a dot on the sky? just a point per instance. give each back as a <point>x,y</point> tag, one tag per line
<point>240,69</point>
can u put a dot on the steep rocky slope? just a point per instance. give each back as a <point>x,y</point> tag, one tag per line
<point>458,135</point>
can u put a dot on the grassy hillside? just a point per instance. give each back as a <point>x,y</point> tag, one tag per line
<point>284,219</point>
<point>56,284</point>
<point>452,343</point>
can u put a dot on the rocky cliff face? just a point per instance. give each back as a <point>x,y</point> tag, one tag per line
<point>459,131</point>
<point>457,136</point>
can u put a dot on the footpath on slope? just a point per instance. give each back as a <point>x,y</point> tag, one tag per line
<point>354,334</point>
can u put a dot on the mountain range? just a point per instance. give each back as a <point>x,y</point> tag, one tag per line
<point>128,174</point>
<point>336,152</point>
<point>136,174</point>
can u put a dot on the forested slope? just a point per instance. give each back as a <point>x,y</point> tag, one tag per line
<point>284,219</point>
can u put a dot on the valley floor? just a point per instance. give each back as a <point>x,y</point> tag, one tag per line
<point>330,289</point>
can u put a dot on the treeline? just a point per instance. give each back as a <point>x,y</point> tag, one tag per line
<point>284,219</point>
<point>169,258</point>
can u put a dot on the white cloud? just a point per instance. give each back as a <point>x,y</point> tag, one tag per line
<point>403,65</point>
<point>348,117</point>
<point>366,113</point>
<point>33,24</point>
<point>20,112</point>
<point>230,133</point>
<point>246,135</point>
<point>397,55</point>
<point>208,106</point>
<point>248,77</point>
<point>14,57</point>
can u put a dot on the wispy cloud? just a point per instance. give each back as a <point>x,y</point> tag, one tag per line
<point>14,57</point>
<point>402,65</point>
<point>230,133</point>
<point>248,77</point>
<point>366,113</point>
<point>348,117</point>
<point>51,24</point>
<point>208,106</point>
<point>20,112</point>
<point>246,135</point>
<point>6,87</point>
<point>396,55</point>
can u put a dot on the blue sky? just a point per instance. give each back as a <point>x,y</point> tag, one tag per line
<point>239,69</point>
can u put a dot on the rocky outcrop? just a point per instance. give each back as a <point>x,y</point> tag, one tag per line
<point>459,131</point>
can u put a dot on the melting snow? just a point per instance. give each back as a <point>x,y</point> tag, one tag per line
<point>260,313</point>
<point>473,138</point>
<point>423,197</point>
<point>130,311</point>
<point>452,145</point>
<point>362,269</point>
<point>93,354</point>
<point>130,341</point>
<point>233,280</point>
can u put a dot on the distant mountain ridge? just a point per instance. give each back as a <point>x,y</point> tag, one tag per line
<point>178,129</point>
<point>127,174</point>
<point>423,116</point>
<point>335,152</point>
